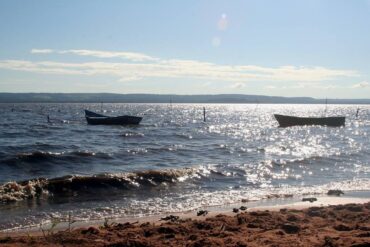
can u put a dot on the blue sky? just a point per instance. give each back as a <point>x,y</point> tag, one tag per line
<point>317,48</point>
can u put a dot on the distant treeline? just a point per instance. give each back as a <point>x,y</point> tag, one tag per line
<point>165,98</point>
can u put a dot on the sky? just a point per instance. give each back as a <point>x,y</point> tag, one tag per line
<point>315,48</point>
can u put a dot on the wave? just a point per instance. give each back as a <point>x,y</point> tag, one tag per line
<point>37,156</point>
<point>13,191</point>
<point>69,185</point>
<point>333,157</point>
<point>42,156</point>
<point>193,200</point>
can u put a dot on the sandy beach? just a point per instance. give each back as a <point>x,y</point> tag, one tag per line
<point>320,223</point>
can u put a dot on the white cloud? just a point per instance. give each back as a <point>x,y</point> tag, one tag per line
<point>206,84</point>
<point>140,66</point>
<point>130,78</point>
<point>306,85</point>
<point>41,51</point>
<point>136,57</point>
<point>132,56</point>
<point>238,85</point>
<point>362,84</point>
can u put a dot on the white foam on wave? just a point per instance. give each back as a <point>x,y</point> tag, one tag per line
<point>196,199</point>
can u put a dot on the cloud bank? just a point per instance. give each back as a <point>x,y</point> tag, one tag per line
<point>137,66</point>
<point>362,84</point>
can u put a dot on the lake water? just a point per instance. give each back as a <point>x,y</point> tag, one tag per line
<point>172,161</point>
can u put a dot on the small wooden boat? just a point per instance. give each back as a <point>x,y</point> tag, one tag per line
<point>98,119</point>
<point>287,121</point>
<point>93,114</point>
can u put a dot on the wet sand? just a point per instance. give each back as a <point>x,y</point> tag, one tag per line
<point>284,225</point>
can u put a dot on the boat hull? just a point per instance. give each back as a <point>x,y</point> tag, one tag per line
<point>121,120</point>
<point>288,121</point>
<point>93,114</point>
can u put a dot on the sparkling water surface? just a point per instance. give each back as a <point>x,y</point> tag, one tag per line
<point>239,153</point>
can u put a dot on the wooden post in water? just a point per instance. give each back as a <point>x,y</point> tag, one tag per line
<point>204,114</point>
<point>358,110</point>
<point>326,106</point>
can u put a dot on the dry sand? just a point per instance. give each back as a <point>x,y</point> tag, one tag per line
<point>335,225</point>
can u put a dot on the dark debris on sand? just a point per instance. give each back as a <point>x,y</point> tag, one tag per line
<point>344,225</point>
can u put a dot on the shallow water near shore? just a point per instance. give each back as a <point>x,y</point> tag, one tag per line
<point>172,161</point>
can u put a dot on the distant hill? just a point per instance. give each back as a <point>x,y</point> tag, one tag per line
<point>164,98</point>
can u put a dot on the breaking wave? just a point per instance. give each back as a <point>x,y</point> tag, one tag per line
<point>68,185</point>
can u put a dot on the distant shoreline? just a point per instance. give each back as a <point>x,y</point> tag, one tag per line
<point>167,98</point>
